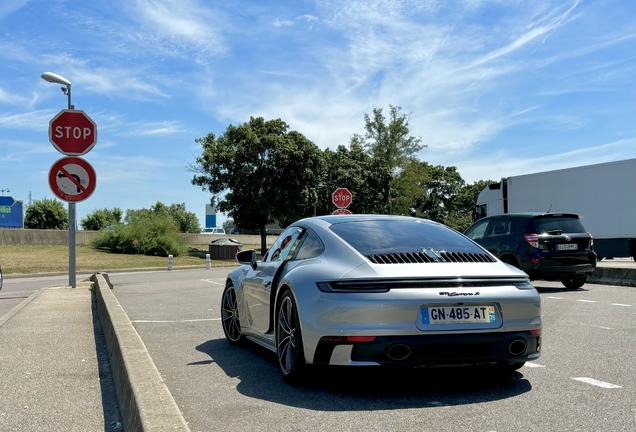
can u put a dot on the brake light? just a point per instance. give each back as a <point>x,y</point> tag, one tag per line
<point>536,332</point>
<point>591,239</point>
<point>532,239</point>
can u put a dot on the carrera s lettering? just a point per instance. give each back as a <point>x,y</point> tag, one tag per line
<point>455,294</point>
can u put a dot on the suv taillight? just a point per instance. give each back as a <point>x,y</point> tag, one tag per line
<point>591,239</point>
<point>532,239</point>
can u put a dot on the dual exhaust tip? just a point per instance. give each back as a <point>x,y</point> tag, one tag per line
<point>399,352</point>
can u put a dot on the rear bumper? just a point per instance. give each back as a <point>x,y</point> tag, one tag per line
<point>433,350</point>
<point>550,268</point>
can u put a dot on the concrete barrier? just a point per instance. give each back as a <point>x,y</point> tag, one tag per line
<point>144,400</point>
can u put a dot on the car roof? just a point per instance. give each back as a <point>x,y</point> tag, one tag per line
<point>533,215</point>
<point>337,219</point>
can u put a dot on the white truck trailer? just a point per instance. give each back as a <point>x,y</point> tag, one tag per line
<point>603,195</point>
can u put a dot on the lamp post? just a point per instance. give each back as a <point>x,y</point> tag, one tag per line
<point>5,190</point>
<point>57,79</point>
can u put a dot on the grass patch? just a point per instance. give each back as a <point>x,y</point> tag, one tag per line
<point>54,259</point>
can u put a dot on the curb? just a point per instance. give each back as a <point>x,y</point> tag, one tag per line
<point>144,400</point>
<point>613,276</point>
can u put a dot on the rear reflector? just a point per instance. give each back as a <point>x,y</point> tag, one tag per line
<point>536,332</point>
<point>347,339</point>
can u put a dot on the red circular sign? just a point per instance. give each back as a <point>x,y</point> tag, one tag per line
<point>341,198</point>
<point>72,132</point>
<point>341,211</point>
<point>72,179</point>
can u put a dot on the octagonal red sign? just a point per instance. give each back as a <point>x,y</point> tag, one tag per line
<point>72,132</point>
<point>341,198</point>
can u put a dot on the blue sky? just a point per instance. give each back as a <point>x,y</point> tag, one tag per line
<point>495,87</point>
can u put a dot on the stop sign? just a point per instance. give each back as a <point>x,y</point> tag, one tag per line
<point>72,132</point>
<point>341,198</point>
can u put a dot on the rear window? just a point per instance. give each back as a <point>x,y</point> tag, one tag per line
<point>395,236</point>
<point>564,224</point>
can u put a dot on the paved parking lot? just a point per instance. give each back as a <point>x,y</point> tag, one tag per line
<point>585,379</point>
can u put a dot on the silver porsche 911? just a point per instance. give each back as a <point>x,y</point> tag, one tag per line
<point>366,290</point>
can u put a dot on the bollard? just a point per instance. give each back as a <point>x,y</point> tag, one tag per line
<point>207,261</point>
<point>169,262</point>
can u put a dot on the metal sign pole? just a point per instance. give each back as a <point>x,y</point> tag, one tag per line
<point>71,223</point>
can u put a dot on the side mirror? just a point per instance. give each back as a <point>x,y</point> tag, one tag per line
<point>247,257</point>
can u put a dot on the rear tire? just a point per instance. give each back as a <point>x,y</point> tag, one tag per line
<point>571,282</point>
<point>513,262</point>
<point>289,341</point>
<point>230,317</point>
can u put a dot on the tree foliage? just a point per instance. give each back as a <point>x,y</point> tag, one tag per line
<point>389,140</point>
<point>259,172</point>
<point>144,233</point>
<point>101,218</point>
<point>366,178</point>
<point>46,214</point>
<point>185,221</point>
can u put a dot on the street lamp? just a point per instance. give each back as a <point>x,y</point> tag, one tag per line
<point>57,79</point>
<point>5,190</point>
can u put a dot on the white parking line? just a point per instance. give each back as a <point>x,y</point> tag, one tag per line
<point>556,298</point>
<point>533,365</point>
<point>597,382</point>
<point>619,304</point>
<point>210,281</point>
<point>587,301</point>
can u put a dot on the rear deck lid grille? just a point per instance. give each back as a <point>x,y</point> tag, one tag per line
<point>429,256</point>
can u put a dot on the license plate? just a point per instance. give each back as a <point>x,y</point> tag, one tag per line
<point>459,314</point>
<point>567,246</point>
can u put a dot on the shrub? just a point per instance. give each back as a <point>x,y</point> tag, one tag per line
<point>155,235</point>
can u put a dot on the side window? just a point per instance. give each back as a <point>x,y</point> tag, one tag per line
<point>499,227</point>
<point>284,244</point>
<point>477,231</point>
<point>310,247</point>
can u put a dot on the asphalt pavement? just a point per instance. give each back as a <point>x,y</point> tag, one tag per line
<point>71,360</point>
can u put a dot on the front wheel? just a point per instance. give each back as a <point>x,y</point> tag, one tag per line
<point>574,282</point>
<point>289,343</point>
<point>230,316</point>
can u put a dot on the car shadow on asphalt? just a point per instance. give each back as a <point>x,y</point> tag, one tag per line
<point>546,289</point>
<point>359,389</point>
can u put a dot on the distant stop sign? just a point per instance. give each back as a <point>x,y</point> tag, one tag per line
<point>341,198</point>
<point>72,132</point>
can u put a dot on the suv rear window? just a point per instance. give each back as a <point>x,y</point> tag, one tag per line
<point>372,237</point>
<point>564,224</point>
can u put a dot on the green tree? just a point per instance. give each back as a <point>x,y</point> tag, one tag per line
<point>389,139</point>
<point>392,148</point>
<point>185,221</point>
<point>259,172</point>
<point>145,233</point>
<point>366,178</point>
<point>443,184</point>
<point>228,226</point>
<point>46,214</point>
<point>461,205</point>
<point>101,218</point>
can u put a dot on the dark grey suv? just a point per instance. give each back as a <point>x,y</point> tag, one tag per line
<point>549,246</point>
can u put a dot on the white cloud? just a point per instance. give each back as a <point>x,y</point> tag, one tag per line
<point>7,7</point>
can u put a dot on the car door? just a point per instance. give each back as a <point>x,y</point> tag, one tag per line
<point>258,283</point>
<point>497,238</point>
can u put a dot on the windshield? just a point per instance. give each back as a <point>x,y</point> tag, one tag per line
<point>372,237</point>
<point>564,224</point>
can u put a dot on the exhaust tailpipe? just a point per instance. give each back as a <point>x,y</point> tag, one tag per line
<point>398,352</point>
<point>517,347</point>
